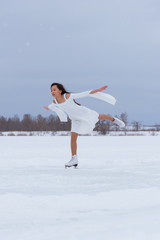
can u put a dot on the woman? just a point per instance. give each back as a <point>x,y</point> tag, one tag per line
<point>83,119</point>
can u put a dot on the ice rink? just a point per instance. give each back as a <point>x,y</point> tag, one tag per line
<point>114,194</point>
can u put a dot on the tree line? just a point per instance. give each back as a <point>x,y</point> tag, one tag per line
<point>30,123</point>
<point>52,123</point>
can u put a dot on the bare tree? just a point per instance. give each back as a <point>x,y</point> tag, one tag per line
<point>124,118</point>
<point>103,127</point>
<point>136,125</point>
<point>27,123</point>
<point>3,124</point>
<point>15,123</point>
<point>157,127</point>
<point>41,123</point>
<point>115,126</point>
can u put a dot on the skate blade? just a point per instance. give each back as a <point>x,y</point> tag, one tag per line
<point>75,166</point>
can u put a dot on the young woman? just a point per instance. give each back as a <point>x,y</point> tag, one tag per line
<point>83,119</point>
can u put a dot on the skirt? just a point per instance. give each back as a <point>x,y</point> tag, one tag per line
<point>85,123</point>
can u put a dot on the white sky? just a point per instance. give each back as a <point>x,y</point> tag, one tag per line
<point>83,44</point>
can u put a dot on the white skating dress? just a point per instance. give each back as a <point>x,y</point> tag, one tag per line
<point>83,119</point>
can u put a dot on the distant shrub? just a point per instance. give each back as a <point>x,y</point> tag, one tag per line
<point>153,133</point>
<point>132,134</point>
<point>11,134</point>
<point>84,134</point>
<point>64,134</point>
<point>21,134</point>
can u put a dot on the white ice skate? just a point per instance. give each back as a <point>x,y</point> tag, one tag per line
<point>119,122</point>
<point>73,162</point>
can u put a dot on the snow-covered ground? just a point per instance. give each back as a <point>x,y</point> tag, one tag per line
<point>94,133</point>
<point>115,193</point>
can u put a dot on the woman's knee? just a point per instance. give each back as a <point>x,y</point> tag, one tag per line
<point>101,116</point>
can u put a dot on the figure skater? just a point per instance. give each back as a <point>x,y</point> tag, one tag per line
<point>83,119</point>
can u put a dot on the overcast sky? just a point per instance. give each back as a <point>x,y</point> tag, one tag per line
<point>83,44</point>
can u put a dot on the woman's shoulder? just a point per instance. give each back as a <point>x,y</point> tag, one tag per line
<point>67,95</point>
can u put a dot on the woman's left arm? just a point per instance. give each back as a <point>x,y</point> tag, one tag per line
<point>98,90</point>
<point>87,93</point>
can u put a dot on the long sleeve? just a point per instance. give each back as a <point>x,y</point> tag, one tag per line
<point>80,95</point>
<point>104,96</point>
<point>62,115</point>
<point>99,95</point>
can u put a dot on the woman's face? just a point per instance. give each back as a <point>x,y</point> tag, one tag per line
<point>55,91</point>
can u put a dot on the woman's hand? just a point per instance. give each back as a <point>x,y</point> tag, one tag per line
<point>46,108</point>
<point>102,88</point>
<point>98,90</point>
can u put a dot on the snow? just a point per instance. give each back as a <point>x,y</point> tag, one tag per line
<point>129,132</point>
<point>114,194</point>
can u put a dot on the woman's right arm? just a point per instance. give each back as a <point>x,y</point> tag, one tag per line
<point>49,108</point>
<point>46,108</point>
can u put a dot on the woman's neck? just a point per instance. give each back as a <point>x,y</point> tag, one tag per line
<point>60,99</point>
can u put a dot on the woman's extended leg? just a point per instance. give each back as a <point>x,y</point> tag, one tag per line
<point>106,117</point>
<point>117,121</point>
<point>74,143</point>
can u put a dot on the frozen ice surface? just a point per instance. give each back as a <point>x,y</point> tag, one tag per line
<point>115,193</point>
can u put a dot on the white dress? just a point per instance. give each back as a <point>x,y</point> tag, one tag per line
<point>83,119</point>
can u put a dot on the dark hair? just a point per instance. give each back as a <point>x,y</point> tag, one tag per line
<point>62,88</point>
